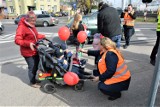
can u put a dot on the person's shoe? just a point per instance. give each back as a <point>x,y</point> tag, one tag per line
<point>125,46</point>
<point>114,98</point>
<point>36,85</point>
<point>79,86</point>
<point>153,62</point>
<point>87,73</point>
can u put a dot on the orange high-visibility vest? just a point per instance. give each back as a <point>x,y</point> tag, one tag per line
<point>128,20</point>
<point>122,73</point>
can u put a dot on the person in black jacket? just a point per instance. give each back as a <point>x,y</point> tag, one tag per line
<point>77,26</point>
<point>108,22</point>
<point>129,16</point>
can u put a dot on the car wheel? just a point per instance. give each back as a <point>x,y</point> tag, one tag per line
<point>0,31</point>
<point>45,24</point>
<point>16,22</point>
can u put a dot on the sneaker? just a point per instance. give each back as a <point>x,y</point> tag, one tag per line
<point>36,85</point>
<point>153,62</point>
<point>79,86</point>
<point>125,46</point>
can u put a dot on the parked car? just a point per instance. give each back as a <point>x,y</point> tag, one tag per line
<point>64,13</point>
<point>46,20</point>
<point>1,27</point>
<point>58,14</point>
<point>42,20</point>
<point>91,22</point>
<point>16,21</point>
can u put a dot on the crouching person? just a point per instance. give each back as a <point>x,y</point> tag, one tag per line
<point>113,74</point>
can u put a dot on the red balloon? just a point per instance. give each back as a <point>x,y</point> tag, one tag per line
<point>71,78</point>
<point>81,37</point>
<point>64,33</point>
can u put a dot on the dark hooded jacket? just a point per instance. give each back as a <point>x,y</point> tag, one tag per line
<point>108,21</point>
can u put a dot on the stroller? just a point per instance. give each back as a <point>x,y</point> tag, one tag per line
<point>49,72</point>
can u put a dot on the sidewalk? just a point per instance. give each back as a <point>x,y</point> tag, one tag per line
<point>16,92</point>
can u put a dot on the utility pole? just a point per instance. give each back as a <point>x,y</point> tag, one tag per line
<point>123,4</point>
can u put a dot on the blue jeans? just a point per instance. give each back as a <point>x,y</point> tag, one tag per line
<point>117,40</point>
<point>32,63</point>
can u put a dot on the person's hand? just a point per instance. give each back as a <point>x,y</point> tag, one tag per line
<point>81,50</point>
<point>65,62</point>
<point>32,46</point>
<point>96,79</point>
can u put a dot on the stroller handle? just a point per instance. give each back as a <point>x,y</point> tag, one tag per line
<point>41,42</point>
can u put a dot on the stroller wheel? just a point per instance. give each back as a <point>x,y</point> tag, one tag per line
<point>79,86</point>
<point>49,88</point>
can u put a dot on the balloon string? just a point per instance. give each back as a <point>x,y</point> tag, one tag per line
<point>66,44</point>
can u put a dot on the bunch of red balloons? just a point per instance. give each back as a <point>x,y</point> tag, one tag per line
<point>64,34</point>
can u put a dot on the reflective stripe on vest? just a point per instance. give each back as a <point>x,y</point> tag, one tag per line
<point>128,20</point>
<point>158,24</point>
<point>122,73</point>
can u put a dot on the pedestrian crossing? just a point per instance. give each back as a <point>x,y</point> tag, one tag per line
<point>10,37</point>
<point>138,36</point>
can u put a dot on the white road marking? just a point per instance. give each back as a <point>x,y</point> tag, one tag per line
<point>139,34</point>
<point>137,30</point>
<point>10,37</point>
<point>142,38</point>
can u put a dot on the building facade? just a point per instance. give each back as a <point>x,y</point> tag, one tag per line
<point>17,7</point>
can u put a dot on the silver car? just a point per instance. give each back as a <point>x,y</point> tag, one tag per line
<point>42,20</point>
<point>46,20</point>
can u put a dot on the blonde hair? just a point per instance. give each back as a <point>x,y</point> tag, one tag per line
<point>158,12</point>
<point>107,43</point>
<point>76,21</point>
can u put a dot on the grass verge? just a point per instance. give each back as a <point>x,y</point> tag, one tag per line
<point>149,19</point>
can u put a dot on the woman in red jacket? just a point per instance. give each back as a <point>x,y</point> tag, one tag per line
<point>26,37</point>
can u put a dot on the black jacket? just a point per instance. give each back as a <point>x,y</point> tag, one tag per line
<point>108,22</point>
<point>80,28</point>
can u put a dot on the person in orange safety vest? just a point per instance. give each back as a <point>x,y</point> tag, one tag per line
<point>113,73</point>
<point>129,16</point>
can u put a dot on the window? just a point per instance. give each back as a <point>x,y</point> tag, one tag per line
<point>48,0</point>
<point>40,16</point>
<point>41,7</point>
<point>49,7</point>
<point>11,9</point>
<point>55,8</point>
<point>46,16</point>
<point>20,9</point>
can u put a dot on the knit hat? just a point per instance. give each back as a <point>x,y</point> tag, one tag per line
<point>63,47</point>
<point>59,53</point>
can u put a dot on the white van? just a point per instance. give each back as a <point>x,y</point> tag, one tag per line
<point>40,12</point>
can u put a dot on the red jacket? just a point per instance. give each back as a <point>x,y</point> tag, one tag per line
<point>24,36</point>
